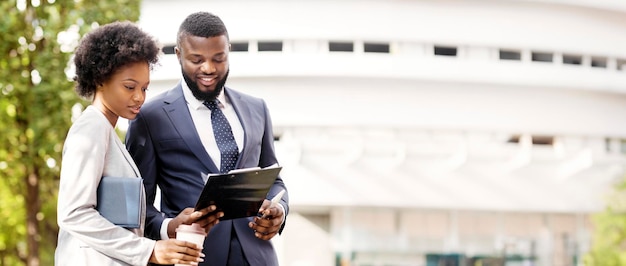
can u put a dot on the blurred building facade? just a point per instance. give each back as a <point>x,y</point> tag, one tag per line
<point>422,132</point>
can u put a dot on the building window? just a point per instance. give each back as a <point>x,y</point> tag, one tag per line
<point>268,46</point>
<point>570,59</point>
<point>168,49</point>
<point>510,55</point>
<point>341,47</point>
<point>445,50</point>
<point>598,62</point>
<point>541,57</point>
<point>621,64</point>
<point>543,140</point>
<point>239,46</point>
<point>536,140</point>
<point>376,47</point>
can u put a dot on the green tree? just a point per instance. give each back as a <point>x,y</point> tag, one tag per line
<point>609,240</point>
<point>37,40</point>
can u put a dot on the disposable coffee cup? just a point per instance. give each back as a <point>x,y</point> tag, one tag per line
<point>193,233</point>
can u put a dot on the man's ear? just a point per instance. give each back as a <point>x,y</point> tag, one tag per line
<point>177,52</point>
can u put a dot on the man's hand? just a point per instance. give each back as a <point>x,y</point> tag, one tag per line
<point>207,218</point>
<point>174,251</point>
<point>267,226</point>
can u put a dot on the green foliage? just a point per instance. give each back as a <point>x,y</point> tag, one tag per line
<point>609,242</point>
<point>36,99</point>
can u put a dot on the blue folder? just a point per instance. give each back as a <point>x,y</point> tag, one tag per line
<point>119,200</point>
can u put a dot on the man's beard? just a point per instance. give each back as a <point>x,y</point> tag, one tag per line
<point>205,96</point>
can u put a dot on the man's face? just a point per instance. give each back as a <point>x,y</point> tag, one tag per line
<point>204,63</point>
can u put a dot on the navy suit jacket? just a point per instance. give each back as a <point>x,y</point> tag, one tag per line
<point>164,143</point>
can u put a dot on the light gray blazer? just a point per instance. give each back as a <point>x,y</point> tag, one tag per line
<point>92,150</point>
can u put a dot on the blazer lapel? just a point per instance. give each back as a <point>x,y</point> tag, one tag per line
<point>128,158</point>
<point>177,111</point>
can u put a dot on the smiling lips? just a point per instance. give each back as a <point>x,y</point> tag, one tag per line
<point>206,81</point>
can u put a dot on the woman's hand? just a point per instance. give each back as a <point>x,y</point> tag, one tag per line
<point>174,251</point>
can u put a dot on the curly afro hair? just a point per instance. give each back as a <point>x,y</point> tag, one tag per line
<point>104,50</point>
<point>201,24</point>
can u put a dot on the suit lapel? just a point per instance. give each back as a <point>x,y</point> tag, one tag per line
<point>177,111</point>
<point>127,156</point>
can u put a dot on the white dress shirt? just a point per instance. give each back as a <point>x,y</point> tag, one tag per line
<point>201,116</point>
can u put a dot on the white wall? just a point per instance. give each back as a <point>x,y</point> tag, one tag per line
<point>534,24</point>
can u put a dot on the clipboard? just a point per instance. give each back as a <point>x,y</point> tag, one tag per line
<point>119,200</point>
<point>239,193</point>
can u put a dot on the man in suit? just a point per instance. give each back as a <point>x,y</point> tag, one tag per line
<point>172,141</point>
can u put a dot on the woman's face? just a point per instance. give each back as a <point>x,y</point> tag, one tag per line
<point>124,93</point>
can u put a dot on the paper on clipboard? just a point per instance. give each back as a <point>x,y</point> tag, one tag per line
<point>239,193</point>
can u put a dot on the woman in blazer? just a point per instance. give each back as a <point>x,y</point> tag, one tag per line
<point>113,66</point>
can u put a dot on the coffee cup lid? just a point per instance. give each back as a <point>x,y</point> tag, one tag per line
<point>190,228</point>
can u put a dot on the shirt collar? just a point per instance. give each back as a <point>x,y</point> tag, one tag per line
<point>195,103</point>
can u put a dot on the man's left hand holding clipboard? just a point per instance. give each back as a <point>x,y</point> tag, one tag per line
<point>270,219</point>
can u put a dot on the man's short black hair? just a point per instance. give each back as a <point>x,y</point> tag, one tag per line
<point>201,24</point>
